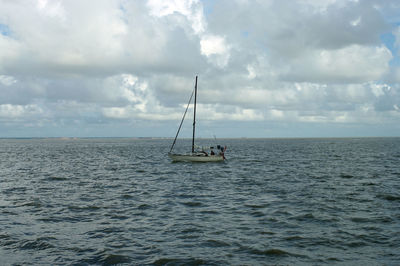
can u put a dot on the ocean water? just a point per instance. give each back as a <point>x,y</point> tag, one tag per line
<point>273,202</point>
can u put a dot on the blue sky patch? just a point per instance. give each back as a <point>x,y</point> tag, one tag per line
<point>5,30</point>
<point>389,41</point>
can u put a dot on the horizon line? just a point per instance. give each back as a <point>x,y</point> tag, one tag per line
<point>205,138</point>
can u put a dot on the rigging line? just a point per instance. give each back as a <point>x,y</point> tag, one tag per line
<point>194,114</point>
<point>183,118</point>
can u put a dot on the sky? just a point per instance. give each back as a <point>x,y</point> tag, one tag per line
<point>266,68</point>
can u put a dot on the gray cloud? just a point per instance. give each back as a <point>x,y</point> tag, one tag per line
<point>132,64</point>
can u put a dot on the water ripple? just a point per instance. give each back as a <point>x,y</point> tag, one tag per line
<point>274,202</point>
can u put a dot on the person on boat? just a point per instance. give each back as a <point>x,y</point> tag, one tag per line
<point>222,151</point>
<point>212,152</point>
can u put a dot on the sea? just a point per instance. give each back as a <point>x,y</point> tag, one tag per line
<point>272,202</point>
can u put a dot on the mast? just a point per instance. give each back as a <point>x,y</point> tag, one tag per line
<point>194,114</point>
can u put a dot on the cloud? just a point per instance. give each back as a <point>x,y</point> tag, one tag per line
<point>396,34</point>
<point>355,64</point>
<point>121,63</point>
<point>191,10</point>
<point>62,38</point>
<point>134,100</point>
<point>7,80</point>
<point>9,111</point>
<point>215,49</point>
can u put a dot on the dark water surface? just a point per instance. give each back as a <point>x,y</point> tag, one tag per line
<point>275,201</point>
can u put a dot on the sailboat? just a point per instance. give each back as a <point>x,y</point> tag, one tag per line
<point>198,154</point>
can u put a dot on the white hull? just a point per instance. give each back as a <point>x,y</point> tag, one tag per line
<point>195,158</point>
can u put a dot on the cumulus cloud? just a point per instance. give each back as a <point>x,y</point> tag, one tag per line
<point>353,64</point>
<point>9,111</point>
<point>7,80</point>
<point>215,49</point>
<point>124,62</point>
